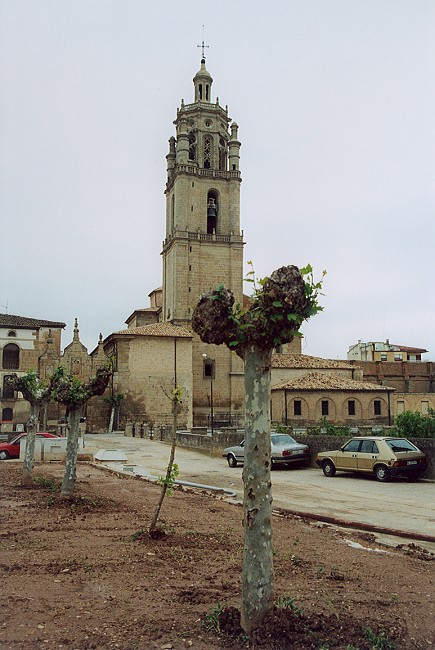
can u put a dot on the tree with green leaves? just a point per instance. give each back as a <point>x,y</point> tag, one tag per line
<point>279,306</point>
<point>74,394</point>
<point>411,424</point>
<point>38,393</point>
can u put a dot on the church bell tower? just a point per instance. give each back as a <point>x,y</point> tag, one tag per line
<point>203,246</point>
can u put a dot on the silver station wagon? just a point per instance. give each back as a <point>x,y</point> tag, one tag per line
<point>382,456</point>
<point>284,451</point>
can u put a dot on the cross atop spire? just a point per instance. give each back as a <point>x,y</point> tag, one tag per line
<point>203,46</point>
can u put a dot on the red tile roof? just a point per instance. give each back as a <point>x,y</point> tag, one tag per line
<point>157,329</point>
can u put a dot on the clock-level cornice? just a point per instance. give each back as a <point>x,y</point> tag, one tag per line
<point>203,108</point>
<point>193,169</point>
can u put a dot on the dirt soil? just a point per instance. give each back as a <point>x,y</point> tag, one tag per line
<point>80,575</point>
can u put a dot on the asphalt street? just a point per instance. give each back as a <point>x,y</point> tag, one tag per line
<point>398,507</point>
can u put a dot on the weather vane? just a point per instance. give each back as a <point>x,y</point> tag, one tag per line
<point>203,46</point>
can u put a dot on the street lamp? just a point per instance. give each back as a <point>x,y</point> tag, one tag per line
<point>211,366</point>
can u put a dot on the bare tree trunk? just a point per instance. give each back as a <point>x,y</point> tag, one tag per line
<point>29,454</point>
<point>165,484</point>
<point>69,478</point>
<point>112,417</point>
<point>44,417</point>
<point>257,571</point>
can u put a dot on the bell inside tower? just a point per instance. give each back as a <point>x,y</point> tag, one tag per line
<point>212,213</point>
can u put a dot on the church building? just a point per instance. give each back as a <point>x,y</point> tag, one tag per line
<point>203,248</point>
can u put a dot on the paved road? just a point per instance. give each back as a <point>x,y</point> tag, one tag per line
<point>399,505</point>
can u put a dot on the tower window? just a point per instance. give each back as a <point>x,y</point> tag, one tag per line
<point>206,91</point>
<point>200,91</point>
<point>192,146</point>
<point>212,212</point>
<point>207,152</point>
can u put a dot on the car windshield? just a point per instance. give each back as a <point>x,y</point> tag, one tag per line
<point>16,440</point>
<point>400,444</point>
<point>283,439</point>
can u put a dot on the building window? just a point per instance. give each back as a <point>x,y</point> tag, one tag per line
<point>11,357</point>
<point>222,154</point>
<point>212,212</point>
<point>383,356</point>
<point>192,147</point>
<point>7,415</point>
<point>12,333</point>
<point>400,407</point>
<point>297,407</point>
<point>398,357</point>
<point>8,392</point>
<point>377,406</point>
<point>325,407</point>
<point>424,408</point>
<point>207,152</point>
<point>208,369</point>
<point>351,407</point>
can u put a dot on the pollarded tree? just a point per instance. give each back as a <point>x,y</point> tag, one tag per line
<point>278,309</point>
<point>74,394</point>
<point>38,394</point>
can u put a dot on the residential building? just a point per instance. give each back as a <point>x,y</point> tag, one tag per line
<point>379,351</point>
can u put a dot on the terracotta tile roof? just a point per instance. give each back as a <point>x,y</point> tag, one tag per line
<point>157,329</point>
<point>9,320</point>
<point>320,381</point>
<point>305,361</point>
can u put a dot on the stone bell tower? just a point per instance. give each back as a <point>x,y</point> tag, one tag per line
<point>203,247</point>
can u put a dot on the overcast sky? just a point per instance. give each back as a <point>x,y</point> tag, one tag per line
<point>335,100</point>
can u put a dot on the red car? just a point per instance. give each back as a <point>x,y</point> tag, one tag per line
<point>12,449</point>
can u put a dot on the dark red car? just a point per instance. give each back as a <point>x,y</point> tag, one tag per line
<point>12,449</point>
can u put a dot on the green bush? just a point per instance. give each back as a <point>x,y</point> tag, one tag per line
<point>413,425</point>
<point>325,428</point>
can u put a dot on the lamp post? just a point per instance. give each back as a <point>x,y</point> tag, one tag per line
<point>205,357</point>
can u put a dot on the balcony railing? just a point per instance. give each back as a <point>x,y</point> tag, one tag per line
<point>203,236</point>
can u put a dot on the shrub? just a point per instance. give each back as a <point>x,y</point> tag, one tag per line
<point>328,429</point>
<point>413,425</point>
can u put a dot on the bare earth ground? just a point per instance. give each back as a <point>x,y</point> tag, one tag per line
<point>75,575</point>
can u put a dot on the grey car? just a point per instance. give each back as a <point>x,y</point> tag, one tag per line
<point>284,451</point>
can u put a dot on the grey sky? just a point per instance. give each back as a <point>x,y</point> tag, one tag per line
<point>335,100</point>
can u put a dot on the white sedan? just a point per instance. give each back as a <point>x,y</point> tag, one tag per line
<point>284,451</point>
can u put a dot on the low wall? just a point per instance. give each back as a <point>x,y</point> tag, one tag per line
<point>214,445</point>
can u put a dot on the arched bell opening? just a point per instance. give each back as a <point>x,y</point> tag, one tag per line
<point>212,212</point>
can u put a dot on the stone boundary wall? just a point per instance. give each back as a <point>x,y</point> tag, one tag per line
<point>214,445</point>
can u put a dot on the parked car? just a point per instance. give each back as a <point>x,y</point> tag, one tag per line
<point>284,451</point>
<point>12,449</point>
<point>382,456</point>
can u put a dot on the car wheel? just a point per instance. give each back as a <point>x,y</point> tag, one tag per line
<point>232,462</point>
<point>4,455</point>
<point>382,473</point>
<point>328,468</point>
